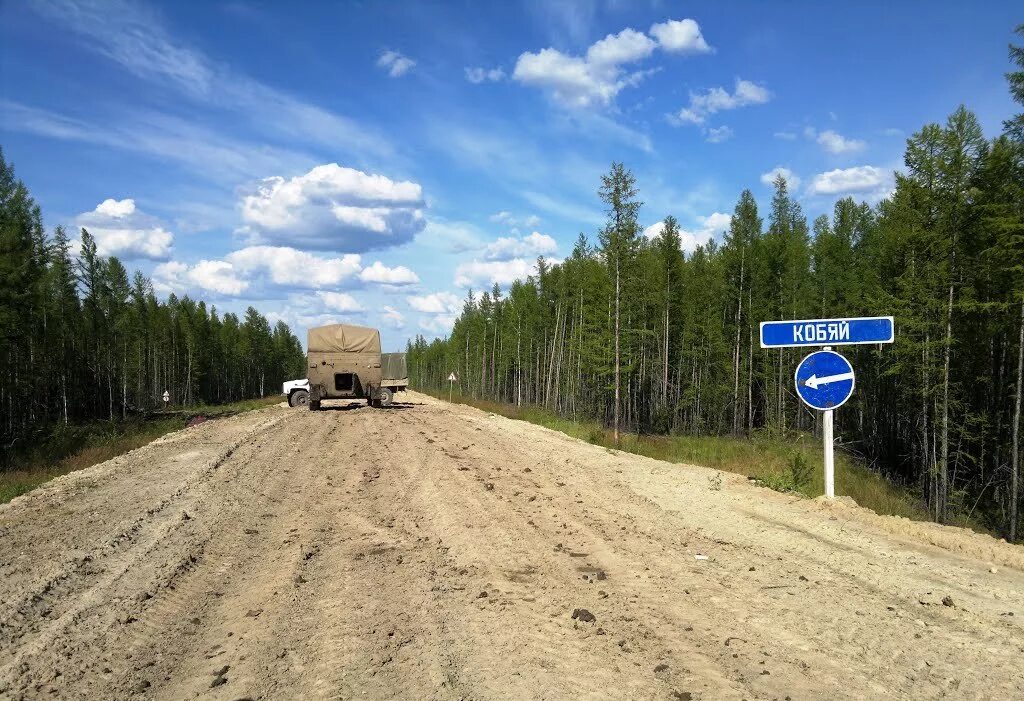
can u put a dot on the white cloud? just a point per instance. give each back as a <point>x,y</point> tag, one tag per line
<point>848,180</point>
<point>134,36</point>
<point>716,135</point>
<point>569,79</point>
<point>627,46</point>
<point>395,63</point>
<point>791,178</point>
<point>486,273</point>
<point>392,317</point>
<point>508,247</point>
<point>309,319</point>
<point>450,236</point>
<point>718,99</point>
<point>122,230</point>
<point>154,243</point>
<point>439,310</point>
<point>382,275</point>
<point>508,219</point>
<point>480,75</point>
<point>594,79</point>
<point>785,135</point>
<point>116,209</point>
<point>210,155</point>
<point>717,221</point>
<point>339,302</point>
<point>708,227</point>
<point>302,310</point>
<point>216,276</point>
<point>332,207</point>
<point>441,323</point>
<point>435,303</point>
<point>294,268</point>
<point>680,36</point>
<point>654,230</point>
<point>563,208</point>
<point>833,142</point>
<point>254,268</point>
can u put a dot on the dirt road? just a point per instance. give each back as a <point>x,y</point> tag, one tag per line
<point>435,551</point>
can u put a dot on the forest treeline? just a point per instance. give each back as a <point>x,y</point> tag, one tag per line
<point>632,331</point>
<point>81,340</point>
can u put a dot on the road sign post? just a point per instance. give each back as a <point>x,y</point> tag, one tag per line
<point>824,379</point>
<point>830,465</point>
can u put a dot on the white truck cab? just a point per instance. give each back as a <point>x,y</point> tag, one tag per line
<point>297,392</point>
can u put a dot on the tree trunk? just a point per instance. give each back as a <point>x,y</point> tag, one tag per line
<point>616,410</point>
<point>519,362</point>
<point>750,368</point>
<point>926,462</point>
<point>944,461</point>
<point>664,368</point>
<point>1015,460</point>
<point>483,363</point>
<point>736,353</point>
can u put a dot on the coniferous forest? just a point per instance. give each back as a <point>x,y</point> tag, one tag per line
<point>649,339</point>
<point>80,340</point>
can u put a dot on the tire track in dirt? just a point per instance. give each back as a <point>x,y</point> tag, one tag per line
<point>433,551</point>
<point>75,592</point>
<point>757,607</point>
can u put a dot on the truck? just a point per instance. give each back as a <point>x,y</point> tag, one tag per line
<point>345,362</point>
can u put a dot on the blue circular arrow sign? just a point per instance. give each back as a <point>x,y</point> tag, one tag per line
<point>824,380</point>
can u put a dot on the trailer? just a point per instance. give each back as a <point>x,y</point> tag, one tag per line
<point>345,362</point>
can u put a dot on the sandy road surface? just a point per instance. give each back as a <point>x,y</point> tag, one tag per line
<point>432,551</point>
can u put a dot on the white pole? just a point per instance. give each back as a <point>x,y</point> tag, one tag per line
<point>830,467</point>
<point>830,464</point>
<point>451,384</point>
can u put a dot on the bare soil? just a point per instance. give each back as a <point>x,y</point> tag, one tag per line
<point>432,551</point>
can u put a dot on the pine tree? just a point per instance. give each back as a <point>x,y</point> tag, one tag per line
<point>668,245</point>
<point>618,246</point>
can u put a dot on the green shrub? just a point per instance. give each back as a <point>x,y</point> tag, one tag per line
<point>779,481</point>
<point>800,473</point>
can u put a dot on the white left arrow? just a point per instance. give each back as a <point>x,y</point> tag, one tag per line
<point>813,381</point>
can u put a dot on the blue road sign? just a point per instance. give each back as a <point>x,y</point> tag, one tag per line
<point>824,380</point>
<point>827,332</point>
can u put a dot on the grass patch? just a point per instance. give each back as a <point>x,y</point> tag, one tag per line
<point>74,447</point>
<point>789,465</point>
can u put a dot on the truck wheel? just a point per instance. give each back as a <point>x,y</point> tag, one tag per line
<point>299,397</point>
<point>385,396</point>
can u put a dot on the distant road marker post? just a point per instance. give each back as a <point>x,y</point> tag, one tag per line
<point>452,379</point>
<point>824,379</point>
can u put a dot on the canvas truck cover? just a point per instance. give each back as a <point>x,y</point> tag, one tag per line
<point>392,366</point>
<point>342,338</point>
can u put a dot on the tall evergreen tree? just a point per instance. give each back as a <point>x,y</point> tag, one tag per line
<point>618,246</point>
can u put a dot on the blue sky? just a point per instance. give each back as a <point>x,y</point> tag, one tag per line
<point>369,162</point>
